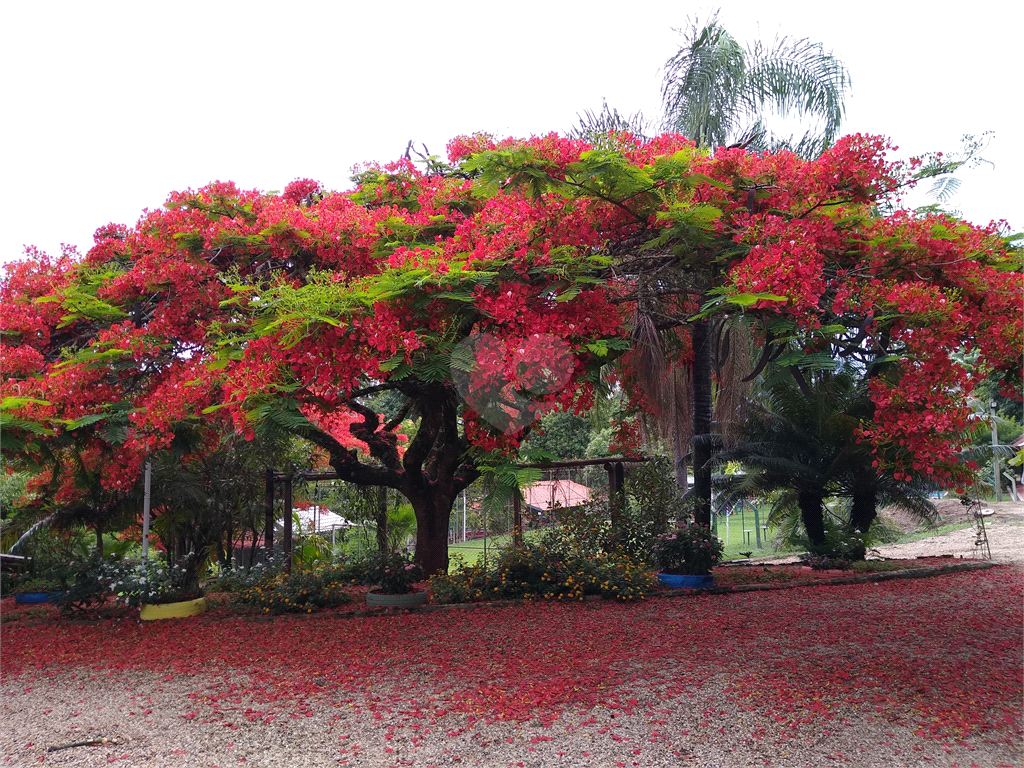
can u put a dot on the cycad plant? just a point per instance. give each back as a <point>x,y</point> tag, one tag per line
<point>800,449</point>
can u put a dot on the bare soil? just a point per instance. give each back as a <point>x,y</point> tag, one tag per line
<point>1004,529</point>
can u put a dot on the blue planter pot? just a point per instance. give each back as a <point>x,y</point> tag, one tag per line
<point>37,597</point>
<point>689,582</point>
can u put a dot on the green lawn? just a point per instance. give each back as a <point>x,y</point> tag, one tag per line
<point>739,534</point>
<point>472,550</point>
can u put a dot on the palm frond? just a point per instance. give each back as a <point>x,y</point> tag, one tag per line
<point>716,92</point>
<point>596,127</point>
<point>703,83</point>
<point>796,77</point>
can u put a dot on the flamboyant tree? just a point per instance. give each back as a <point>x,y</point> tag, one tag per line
<point>483,293</point>
<point>482,311</point>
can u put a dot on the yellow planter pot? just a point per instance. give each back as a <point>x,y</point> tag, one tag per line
<point>173,610</point>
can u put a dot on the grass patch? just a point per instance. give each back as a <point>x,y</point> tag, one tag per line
<point>473,550</point>
<point>927,533</point>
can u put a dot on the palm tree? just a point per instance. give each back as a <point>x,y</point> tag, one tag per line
<point>717,92</point>
<point>595,126</point>
<point>801,449</point>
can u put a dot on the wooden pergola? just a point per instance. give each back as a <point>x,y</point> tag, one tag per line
<point>615,466</point>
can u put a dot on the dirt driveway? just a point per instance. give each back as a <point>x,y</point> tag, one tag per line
<point>1004,528</point>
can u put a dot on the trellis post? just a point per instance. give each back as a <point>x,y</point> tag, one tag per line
<point>268,524</point>
<point>287,538</point>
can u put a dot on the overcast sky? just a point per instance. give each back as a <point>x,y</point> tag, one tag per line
<point>110,106</point>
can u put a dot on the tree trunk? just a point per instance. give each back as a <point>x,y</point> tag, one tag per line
<point>99,539</point>
<point>811,512</point>
<point>226,555</point>
<point>863,511</point>
<point>702,412</point>
<point>382,519</point>
<point>679,465</point>
<point>433,513</point>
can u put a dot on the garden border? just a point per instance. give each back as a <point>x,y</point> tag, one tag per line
<point>861,578</point>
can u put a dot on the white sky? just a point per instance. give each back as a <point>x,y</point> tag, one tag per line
<point>107,107</point>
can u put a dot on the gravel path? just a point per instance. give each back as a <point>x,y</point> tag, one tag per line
<point>1004,528</point>
<point>149,731</point>
<point>162,720</point>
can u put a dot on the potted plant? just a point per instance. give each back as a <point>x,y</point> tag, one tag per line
<point>393,574</point>
<point>686,556</point>
<point>159,591</point>
<point>38,590</point>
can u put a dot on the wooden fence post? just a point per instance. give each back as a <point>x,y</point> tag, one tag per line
<point>268,524</point>
<point>287,523</point>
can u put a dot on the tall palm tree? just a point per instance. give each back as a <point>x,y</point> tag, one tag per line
<point>717,92</point>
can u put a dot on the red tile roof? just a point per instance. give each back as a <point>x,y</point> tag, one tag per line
<point>547,494</point>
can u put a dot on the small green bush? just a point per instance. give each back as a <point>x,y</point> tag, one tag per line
<point>298,592</point>
<point>546,569</point>
<point>149,581</point>
<point>692,550</point>
<point>841,548</point>
<point>237,578</point>
<point>394,572</point>
<point>77,583</point>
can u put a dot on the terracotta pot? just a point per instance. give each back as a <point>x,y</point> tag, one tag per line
<point>674,581</point>
<point>180,610</point>
<point>376,599</point>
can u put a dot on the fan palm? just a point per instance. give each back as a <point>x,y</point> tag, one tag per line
<point>801,448</point>
<point>716,91</point>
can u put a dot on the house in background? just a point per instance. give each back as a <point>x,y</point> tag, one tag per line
<point>542,497</point>
<point>321,520</point>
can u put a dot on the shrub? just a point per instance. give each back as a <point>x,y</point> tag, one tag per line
<point>464,584</point>
<point>692,550</point>
<point>298,592</point>
<point>78,584</point>
<point>84,585</point>
<point>394,572</point>
<point>237,578</point>
<point>841,548</point>
<point>547,568</point>
<point>149,581</point>
<point>653,499</point>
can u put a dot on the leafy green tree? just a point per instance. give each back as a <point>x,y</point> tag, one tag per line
<point>562,435</point>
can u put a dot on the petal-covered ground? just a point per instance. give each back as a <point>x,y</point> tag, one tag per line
<point>937,660</point>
